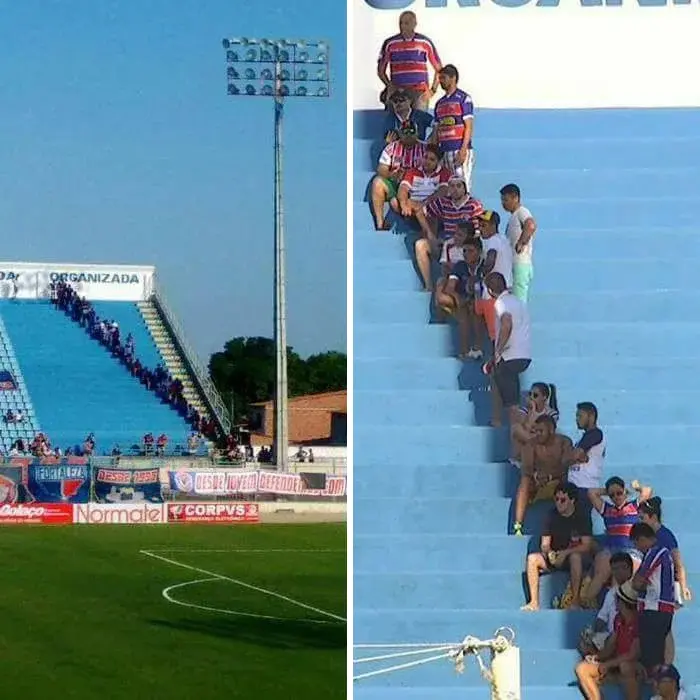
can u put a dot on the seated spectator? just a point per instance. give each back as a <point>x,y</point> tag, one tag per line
<point>544,463</point>
<point>9,416</point>
<point>541,401</point>
<point>19,416</point>
<point>512,352</point>
<point>619,515</point>
<point>421,185</point>
<point>565,544</point>
<point>193,442</point>
<point>464,286</point>
<point>89,445</point>
<point>654,584</point>
<point>593,638</point>
<point>438,220</point>
<point>452,253</point>
<point>400,115</point>
<point>588,457</point>
<point>397,157</point>
<point>161,444</point>
<point>667,684</point>
<point>617,660</point>
<point>650,513</point>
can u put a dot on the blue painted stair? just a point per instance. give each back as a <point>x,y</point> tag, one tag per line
<point>615,321</point>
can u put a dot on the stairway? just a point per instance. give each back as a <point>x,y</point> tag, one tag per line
<point>14,399</point>
<point>615,321</point>
<point>171,358</point>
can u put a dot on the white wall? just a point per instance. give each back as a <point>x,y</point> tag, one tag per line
<point>546,56</point>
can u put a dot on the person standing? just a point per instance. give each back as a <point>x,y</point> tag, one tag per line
<point>520,231</point>
<point>454,125</point>
<point>407,55</point>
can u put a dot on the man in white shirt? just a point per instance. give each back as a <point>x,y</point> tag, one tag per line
<point>512,353</point>
<point>520,232</point>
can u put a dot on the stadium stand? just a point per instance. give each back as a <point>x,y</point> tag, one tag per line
<point>613,322</point>
<point>70,385</point>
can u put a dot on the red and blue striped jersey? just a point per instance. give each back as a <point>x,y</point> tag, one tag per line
<point>618,524</point>
<point>451,213</point>
<point>450,113</point>
<point>408,60</point>
<point>658,573</point>
<point>397,155</point>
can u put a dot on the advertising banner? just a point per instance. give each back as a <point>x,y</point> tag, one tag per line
<point>120,514</point>
<point>213,513</point>
<point>61,483</point>
<point>95,282</point>
<point>230,482</point>
<point>580,53</point>
<point>127,485</point>
<point>36,514</point>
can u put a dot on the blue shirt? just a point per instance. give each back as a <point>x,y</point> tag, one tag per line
<point>420,120</point>
<point>665,538</point>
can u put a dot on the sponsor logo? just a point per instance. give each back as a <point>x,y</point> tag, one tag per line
<point>8,490</point>
<point>120,514</point>
<point>9,275</point>
<point>69,478</point>
<point>458,4</point>
<point>37,513</point>
<point>213,512</point>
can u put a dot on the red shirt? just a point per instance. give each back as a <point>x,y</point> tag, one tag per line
<point>626,632</point>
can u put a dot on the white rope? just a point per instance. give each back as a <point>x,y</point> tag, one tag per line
<point>469,646</point>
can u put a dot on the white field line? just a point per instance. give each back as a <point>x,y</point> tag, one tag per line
<point>243,584</point>
<point>169,597</point>
<point>184,550</point>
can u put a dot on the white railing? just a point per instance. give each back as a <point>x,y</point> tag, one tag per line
<point>200,373</point>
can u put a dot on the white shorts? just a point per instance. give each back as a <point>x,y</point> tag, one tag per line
<point>465,170</point>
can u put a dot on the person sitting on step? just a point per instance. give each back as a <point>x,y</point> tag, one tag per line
<point>667,684</point>
<point>565,544</point>
<point>452,254</point>
<point>419,186</point>
<point>593,637</point>
<point>541,400</point>
<point>544,463</point>
<point>619,514</point>
<point>617,661</point>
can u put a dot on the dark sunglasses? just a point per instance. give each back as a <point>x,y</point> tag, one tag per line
<point>562,500</point>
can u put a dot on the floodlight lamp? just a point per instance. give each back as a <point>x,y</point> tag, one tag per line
<point>249,74</point>
<point>266,74</point>
<point>284,91</point>
<point>231,56</point>
<point>283,56</point>
<point>322,46</point>
<point>284,75</point>
<point>232,73</point>
<point>301,91</point>
<point>267,90</point>
<point>233,89</point>
<point>249,90</point>
<point>247,41</point>
<point>303,56</point>
<point>301,44</point>
<point>321,58</point>
<point>226,43</point>
<point>302,75</point>
<point>251,55</point>
<point>266,56</point>
<point>321,75</point>
<point>322,92</point>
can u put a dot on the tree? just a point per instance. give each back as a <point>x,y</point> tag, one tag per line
<point>245,373</point>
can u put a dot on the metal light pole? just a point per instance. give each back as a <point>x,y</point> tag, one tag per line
<point>278,68</point>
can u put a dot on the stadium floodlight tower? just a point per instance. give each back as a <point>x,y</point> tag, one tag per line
<point>278,68</point>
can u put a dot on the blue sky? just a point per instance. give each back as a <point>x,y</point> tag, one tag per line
<point>119,144</point>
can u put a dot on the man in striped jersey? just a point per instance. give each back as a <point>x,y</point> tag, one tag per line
<point>420,185</point>
<point>454,125</point>
<point>438,221</point>
<point>407,55</point>
<point>397,157</point>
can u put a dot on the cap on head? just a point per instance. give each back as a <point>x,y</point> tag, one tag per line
<point>492,216</point>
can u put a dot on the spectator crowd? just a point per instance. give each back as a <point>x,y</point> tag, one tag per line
<point>633,575</point>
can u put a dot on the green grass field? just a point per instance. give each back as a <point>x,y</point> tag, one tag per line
<point>84,615</point>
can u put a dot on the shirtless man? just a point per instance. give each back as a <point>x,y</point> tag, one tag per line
<point>544,464</point>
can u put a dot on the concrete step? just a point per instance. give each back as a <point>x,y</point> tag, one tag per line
<point>517,155</point>
<point>371,689</point>
<point>634,307</point>
<point>460,555</point>
<point>593,341</point>
<point>643,444</point>
<point>560,629</point>
<point>539,183</point>
<point>624,210</point>
<point>552,276</point>
<point>606,124</point>
<point>437,408</point>
<point>487,479</point>
<point>471,515</point>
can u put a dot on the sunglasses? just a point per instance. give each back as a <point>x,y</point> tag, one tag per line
<point>561,500</point>
<point>615,494</point>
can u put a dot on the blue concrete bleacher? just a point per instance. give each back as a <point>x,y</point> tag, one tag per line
<point>614,322</point>
<point>77,387</point>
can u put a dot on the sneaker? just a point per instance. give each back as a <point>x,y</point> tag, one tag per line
<point>475,354</point>
<point>518,529</point>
